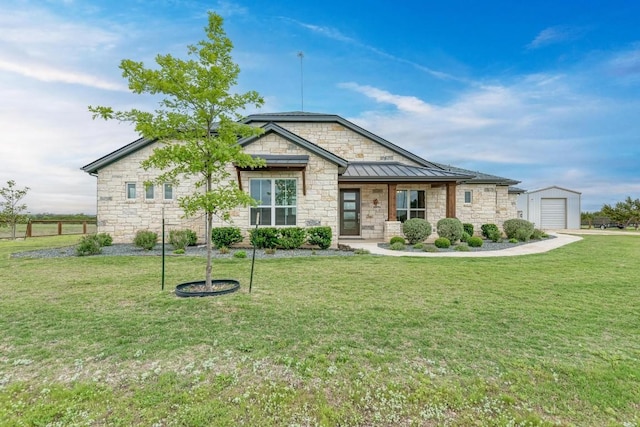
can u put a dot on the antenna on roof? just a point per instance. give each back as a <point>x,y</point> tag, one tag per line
<point>301,56</point>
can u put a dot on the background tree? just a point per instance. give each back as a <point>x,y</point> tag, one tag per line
<point>587,218</point>
<point>12,212</point>
<point>625,212</point>
<point>196,125</point>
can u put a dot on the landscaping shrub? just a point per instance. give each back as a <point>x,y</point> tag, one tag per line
<point>179,239</point>
<point>416,230</point>
<point>320,236</point>
<point>462,248</point>
<point>468,228</point>
<point>513,240</point>
<point>89,245</point>
<point>263,238</point>
<point>397,246</point>
<point>495,235</point>
<point>475,241</point>
<point>145,239</point>
<point>225,236</point>
<point>450,228</point>
<point>465,236</point>
<point>396,239</point>
<point>539,234</point>
<point>291,237</point>
<point>517,228</point>
<point>104,239</point>
<point>223,250</point>
<point>192,237</point>
<point>430,248</point>
<point>419,245</point>
<point>240,254</point>
<point>487,229</point>
<point>442,243</point>
<point>179,252</point>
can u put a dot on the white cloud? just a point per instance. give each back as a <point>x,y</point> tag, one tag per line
<point>554,35</point>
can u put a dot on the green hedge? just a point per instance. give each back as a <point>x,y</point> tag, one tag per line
<point>224,237</point>
<point>319,236</point>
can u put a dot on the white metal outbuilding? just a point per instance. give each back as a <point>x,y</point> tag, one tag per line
<point>551,208</point>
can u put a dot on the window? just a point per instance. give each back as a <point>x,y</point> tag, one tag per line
<point>131,190</point>
<point>168,191</point>
<point>148,192</point>
<point>410,204</point>
<point>276,201</point>
<point>468,196</point>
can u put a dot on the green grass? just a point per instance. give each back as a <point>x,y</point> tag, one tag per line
<point>549,339</point>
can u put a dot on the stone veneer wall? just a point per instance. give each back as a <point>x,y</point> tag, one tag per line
<point>490,203</point>
<point>343,142</point>
<point>122,218</point>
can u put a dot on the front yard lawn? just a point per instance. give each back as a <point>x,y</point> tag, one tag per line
<point>548,339</point>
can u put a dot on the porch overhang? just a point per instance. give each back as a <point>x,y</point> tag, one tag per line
<point>278,162</point>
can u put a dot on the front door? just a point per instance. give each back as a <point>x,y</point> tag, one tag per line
<point>350,212</point>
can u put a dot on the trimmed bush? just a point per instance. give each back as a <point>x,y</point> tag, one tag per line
<point>450,228</point>
<point>179,251</point>
<point>419,245</point>
<point>192,237</point>
<point>225,236</point>
<point>240,254</point>
<point>430,248</point>
<point>104,239</point>
<point>416,230</point>
<point>145,239</point>
<point>539,234</point>
<point>513,240</point>
<point>487,229</point>
<point>396,239</point>
<point>462,248</point>
<point>89,245</point>
<point>179,239</point>
<point>291,237</point>
<point>442,243</point>
<point>465,237</point>
<point>495,235</point>
<point>264,238</point>
<point>475,242</point>
<point>397,246</point>
<point>320,236</point>
<point>517,228</point>
<point>468,228</point>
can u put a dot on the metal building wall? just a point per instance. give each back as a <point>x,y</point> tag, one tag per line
<point>530,204</point>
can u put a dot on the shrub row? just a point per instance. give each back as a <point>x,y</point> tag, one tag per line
<point>290,237</point>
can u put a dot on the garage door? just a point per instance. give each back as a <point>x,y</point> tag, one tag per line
<point>553,214</point>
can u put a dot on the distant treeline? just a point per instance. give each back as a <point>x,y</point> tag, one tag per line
<point>62,217</point>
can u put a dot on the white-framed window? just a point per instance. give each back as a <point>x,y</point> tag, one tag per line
<point>277,200</point>
<point>131,190</point>
<point>149,191</point>
<point>468,196</point>
<point>411,204</point>
<point>168,191</point>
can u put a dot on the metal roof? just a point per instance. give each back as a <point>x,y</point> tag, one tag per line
<point>283,160</point>
<point>479,177</point>
<point>93,167</point>
<point>395,171</point>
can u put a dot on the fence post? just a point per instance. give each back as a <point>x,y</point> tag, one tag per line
<point>84,227</point>
<point>29,228</point>
<point>59,228</point>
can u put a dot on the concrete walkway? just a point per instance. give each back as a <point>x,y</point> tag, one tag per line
<point>537,247</point>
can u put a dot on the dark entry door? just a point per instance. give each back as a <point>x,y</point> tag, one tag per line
<point>350,212</point>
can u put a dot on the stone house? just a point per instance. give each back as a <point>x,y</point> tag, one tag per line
<point>320,170</point>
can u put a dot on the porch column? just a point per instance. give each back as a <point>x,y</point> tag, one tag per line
<point>391,202</point>
<point>451,200</point>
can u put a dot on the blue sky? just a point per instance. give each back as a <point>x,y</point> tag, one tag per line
<point>544,92</point>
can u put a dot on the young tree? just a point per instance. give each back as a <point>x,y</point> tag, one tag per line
<point>12,212</point>
<point>196,125</point>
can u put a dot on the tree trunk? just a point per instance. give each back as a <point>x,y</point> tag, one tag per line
<point>209,249</point>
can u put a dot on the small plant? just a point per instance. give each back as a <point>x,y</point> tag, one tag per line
<point>442,243</point>
<point>396,239</point>
<point>223,250</point>
<point>361,252</point>
<point>468,228</point>
<point>320,236</point>
<point>495,235</point>
<point>430,248</point>
<point>462,248</point>
<point>397,246</point>
<point>225,236</point>
<point>291,237</point>
<point>475,242</point>
<point>265,237</point>
<point>270,251</point>
<point>487,229</point>
<point>450,228</point>
<point>539,234</point>
<point>416,230</point>
<point>179,239</point>
<point>192,237</point>
<point>145,239</point>
<point>89,245</point>
<point>240,254</point>
<point>418,246</point>
<point>513,240</point>
<point>517,228</point>
<point>104,239</point>
<point>465,236</point>
<point>179,251</point>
